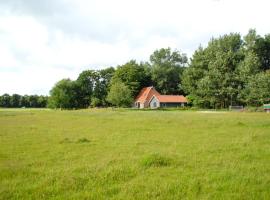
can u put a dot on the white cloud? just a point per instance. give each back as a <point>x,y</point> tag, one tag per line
<point>45,41</point>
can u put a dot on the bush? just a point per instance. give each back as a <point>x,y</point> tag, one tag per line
<point>120,95</point>
<point>95,102</point>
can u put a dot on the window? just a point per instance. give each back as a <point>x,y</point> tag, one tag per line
<point>155,104</point>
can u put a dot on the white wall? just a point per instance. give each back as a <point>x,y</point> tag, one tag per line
<point>154,103</point>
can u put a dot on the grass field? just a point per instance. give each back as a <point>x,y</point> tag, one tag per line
<point>125,154</point>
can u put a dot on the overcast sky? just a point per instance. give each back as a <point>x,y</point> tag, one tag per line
<point>43,41</point>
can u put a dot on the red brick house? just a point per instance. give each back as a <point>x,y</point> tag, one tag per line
<point>149,97</point>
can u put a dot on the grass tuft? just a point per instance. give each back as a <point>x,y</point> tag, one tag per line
<point>156,160</point>
<point>65,140</point>
<point>83,140</point>
<point>240,124</point>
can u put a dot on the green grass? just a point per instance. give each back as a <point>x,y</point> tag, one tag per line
<point>124,154</point>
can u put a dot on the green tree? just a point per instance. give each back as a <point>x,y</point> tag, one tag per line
<point>63,95</point>
<point>195,72</point>
<point>102,86</point>
<point>133,75</point>
<point>211,78</point>
<point>166,70</point>
<point>86,83</point>
<point>5,101</point>
<point>262,49</point>
<point>15,100</point>
<point>42,101</point>
<point>33,101</point>
<point>250,64</point>
<point>120,95</point>
<point>257,90</point>
<point>24,101</point>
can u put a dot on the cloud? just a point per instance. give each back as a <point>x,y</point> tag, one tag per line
<point>44,41</point>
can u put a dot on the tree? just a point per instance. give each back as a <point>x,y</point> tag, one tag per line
<point>212,77</point>
<point>33,101</point>
<point>259,47</point>
<point>102,86</point>
<point>15,101</point>
<point>63,95</point>
<point>86,83</point>
<point>133,75</point>
<point>24,101</point>
<point>166,70</point>
<point>250,64</point>
<point>5,101</point>
<point>120,95</point>
<point>42,101</point>
<point>93,85</point>
<point>262,49</point>
<point>258,89</point>
<point>196,71</point>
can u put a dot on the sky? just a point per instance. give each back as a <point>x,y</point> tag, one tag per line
<point>44,41</point>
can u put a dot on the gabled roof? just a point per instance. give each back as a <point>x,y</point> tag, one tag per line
<point>142,96</point>
<point>146,95</point>
<point>171,98</point>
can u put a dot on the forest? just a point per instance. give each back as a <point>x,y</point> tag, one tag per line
<point>27,101</point>
<point>230,70</point>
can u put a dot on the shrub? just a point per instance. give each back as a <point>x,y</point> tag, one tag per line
<point>95,102</point>
<point>120,95</point>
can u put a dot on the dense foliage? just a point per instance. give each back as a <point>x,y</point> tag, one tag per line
<point>90,89</point>
<point>166,70</point>
<point>120,95</point>
<point>135,76</point>
<point>230,71</point>
<point>18,101</point>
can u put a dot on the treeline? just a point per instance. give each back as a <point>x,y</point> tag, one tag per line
<point>230,70</point>
<point>19,101</point>
<point>120,86</point>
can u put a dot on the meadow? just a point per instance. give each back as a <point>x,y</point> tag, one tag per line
<point>131,154</point>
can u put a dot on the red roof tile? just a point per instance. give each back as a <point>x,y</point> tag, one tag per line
<point>172,98</point>
<point>147,93</point>
<point>144,94</point>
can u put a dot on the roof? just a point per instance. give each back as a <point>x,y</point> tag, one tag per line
<point>146,94</point>
<point>172,98</point>
<point>142,96</point>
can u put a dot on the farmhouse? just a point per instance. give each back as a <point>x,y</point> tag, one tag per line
<point>149,97</point>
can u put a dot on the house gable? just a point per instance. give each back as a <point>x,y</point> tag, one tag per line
<point>145,96</point>
<point>154,102</point>
<point>149,97</point>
